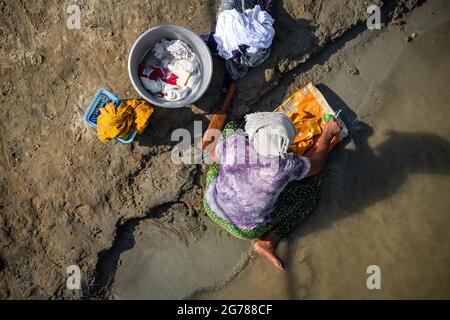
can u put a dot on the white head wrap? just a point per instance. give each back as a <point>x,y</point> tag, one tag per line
<point>270,133</point>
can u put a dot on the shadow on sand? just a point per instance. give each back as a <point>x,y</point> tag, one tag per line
<point>363,176</point>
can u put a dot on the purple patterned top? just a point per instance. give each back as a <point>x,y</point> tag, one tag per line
<point>248,185</point>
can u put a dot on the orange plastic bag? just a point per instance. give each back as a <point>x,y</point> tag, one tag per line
<point>306,107</point>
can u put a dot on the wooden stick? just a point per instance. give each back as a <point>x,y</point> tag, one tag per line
<point>219,119</point>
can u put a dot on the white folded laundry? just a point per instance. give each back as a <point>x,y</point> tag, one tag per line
<point>253,28</point>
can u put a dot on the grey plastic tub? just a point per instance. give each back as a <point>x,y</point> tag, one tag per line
<point>146,42</point>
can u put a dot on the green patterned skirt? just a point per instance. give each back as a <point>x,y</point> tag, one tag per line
<point>296,202</point>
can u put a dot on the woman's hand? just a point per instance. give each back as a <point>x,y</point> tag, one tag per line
<point>320,154</point>
<point>331,129</point>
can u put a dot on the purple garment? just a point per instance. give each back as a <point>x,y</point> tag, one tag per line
<point>248,185</point>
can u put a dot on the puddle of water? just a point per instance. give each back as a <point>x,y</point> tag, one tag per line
<point>168,261</point>
<point>385,203</point>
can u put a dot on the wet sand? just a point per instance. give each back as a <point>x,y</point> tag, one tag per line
<point>132,220</point>
<point>385,196</point>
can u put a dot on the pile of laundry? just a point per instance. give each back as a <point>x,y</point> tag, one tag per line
<point>120,118</point>
<point>243,34</point>
<point>170,71</point>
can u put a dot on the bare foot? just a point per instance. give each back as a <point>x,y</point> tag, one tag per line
<point>266,248</point>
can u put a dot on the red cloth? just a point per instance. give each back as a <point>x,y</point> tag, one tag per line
<point>165,75</point>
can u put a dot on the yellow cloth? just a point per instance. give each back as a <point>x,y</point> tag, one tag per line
<point>307,127</point>
<point>130,115</point>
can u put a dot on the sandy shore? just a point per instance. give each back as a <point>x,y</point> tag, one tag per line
<point>132,220</point>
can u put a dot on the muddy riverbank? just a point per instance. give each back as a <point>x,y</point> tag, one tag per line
<point>133,221</point>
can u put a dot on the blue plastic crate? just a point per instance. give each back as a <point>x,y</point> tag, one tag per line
<point>102,97</point>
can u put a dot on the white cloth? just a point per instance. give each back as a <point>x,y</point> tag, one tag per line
<point>165,91</point>
<point>270,133</point>
<point>253,28</point>
<point>177,48</point>
<point>152,86</point>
